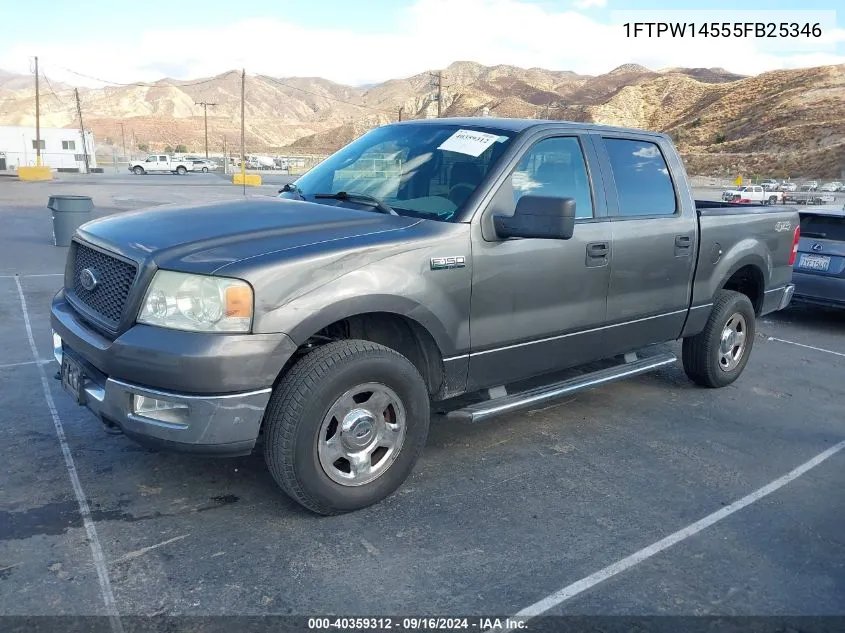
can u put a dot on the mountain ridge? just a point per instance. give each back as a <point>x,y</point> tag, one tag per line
<point>721,121</point>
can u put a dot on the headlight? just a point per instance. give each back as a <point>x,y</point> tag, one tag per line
<point>199,303</point>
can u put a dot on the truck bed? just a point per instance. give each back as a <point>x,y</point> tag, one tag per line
<point>718,207</point>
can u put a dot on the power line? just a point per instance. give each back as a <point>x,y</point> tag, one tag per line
<point>149,84</point>
<point>53,92</point>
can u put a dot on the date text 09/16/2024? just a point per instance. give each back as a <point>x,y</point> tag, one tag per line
<point>768,30</point>
<point>417,624</point>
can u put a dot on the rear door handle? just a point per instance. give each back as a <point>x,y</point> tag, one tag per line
<point>598,249</point>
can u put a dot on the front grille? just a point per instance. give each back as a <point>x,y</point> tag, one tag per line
<point>114,279</point>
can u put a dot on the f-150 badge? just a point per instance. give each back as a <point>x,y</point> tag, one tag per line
<point>439,263</point>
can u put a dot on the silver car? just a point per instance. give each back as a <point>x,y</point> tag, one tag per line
<point>819,269</point>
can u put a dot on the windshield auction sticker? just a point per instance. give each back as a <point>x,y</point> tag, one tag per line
<point>469,142</point>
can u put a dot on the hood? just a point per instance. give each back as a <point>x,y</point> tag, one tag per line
<point>202,238</point>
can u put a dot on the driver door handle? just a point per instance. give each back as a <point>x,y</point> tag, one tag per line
<point>598,249</point>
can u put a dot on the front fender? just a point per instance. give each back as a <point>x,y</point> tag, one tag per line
<point>436,300</point>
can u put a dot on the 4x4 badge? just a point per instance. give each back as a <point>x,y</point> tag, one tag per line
<point>439,263</point>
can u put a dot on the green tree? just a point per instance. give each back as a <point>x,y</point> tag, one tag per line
<point>720,138</point>
<point>143,147</point>
<point>181,149</point>
<point>168,149</point>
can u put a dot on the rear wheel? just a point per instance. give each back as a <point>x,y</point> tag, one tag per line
<point>205,170</point>
<point>716,356</point>
<point>773,199</point>
<point>345,426</point>
<point>181,170</point>
<point>138,170</point>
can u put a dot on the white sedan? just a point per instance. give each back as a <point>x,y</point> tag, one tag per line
<point>204,165</point>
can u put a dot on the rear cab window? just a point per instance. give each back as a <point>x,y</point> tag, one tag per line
<point>643,185</point>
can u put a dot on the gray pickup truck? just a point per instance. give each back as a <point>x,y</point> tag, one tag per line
<point>477,265</point>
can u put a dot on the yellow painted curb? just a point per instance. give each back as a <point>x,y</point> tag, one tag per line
<point>246,179</point>
<point>35,173</point>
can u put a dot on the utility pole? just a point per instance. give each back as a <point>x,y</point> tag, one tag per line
<point>123,136</point>
<point>205,105</point>
<point>134,142</point>
<point>82,130</point>
<point>37,119</point>
<point>243,128</point>
<point>438,83</point>
<point>401,110</point>
<point>225,158</point>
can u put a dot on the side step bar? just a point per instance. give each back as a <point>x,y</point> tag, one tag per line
<point>539,395</point>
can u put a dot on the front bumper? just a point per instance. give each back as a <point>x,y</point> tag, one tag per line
<point>225,425</point>
<point>218,385</point>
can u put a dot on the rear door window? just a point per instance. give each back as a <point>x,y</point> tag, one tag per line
<point>643,184</point>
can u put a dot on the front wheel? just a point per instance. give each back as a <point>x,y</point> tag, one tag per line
<point>345,426</point>
<point>205,170</point>
<point>181,170</point>
<point>716,356</point>
<point>138,170</point>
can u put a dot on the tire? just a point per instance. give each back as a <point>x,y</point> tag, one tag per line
<point>703,358</point>
<point>138,170</point>
<point>180,170</point>
<point>773,199</point>
<point>299,420</point>
<point>205,170</point>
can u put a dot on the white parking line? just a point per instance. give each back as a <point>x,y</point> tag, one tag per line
<point>818,349</point>
<point>28,362</point>
<point>570,591</point>
<point>84,509</point>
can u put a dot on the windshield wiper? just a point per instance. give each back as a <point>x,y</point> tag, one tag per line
<point>292,188</point>
<point>359,197</point>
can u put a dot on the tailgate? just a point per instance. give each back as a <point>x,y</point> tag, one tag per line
<point>821,250</point>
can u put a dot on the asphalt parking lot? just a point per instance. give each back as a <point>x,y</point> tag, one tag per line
<point>497,516</point>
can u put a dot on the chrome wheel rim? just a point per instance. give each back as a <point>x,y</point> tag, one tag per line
<point>733,342</point>
<point>362,434</point>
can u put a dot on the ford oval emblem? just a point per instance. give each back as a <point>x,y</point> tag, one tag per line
<point>817,246</point>
<point>88,279</point>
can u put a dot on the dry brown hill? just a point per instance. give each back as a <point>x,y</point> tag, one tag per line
<point>790,121</point>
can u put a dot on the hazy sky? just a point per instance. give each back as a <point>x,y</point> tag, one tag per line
<point>371,40</point>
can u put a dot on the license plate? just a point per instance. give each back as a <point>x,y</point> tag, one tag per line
<point>814,262</point>
<point>73,379</point>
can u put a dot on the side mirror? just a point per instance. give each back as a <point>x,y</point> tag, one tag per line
<point>539,217</point>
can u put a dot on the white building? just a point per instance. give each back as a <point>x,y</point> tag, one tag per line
<point>60,147</point>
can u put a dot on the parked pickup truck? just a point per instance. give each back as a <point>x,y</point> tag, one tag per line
<point>753,193</point>
<point>478,266</point>
<point>161,163</point>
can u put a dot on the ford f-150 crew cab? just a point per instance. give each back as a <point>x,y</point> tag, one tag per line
<point>476,265</point>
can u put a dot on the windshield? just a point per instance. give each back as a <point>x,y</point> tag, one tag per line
<point>419,170</point>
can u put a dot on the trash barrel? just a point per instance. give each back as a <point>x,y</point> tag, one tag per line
<point>69,213</point>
